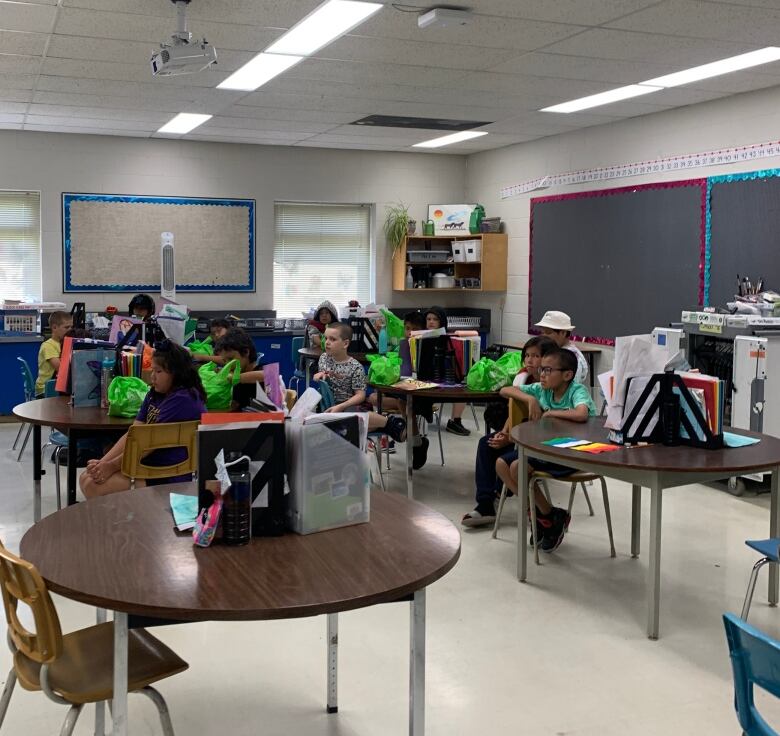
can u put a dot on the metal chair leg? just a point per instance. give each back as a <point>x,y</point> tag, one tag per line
<point>70,720</point>
<point>571,498</point>
<point>22,425</point>
<point>8,691</point>
<point>378,456</point>
<point>752,586</point>
<point>57,456</point>
<point>438,430</point>
<point>474,414</point>
<point>499,510</point>
<point>608,514</point>
<point>532,505</point>
<point>24,444</point>
<point>162,708</point>
<point>587,499</point>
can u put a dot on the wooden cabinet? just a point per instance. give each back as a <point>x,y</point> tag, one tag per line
<point>489,271</point>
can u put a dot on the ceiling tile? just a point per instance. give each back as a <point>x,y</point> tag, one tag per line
<point>14,42</point>
<point>18,81</point>
<point>102,113</point>
<point>352,72</point>
<point>605,43</point>
<point>583,12</point>
<point>57,128</point>
<point>292,126</point>
<point>10,117</point>
<point>526,85</point>
<point>131,102</point>
<point>290,113</point>
<point>18,16</point>
<point>12,107</point>
<point>15,95</point>
<point>17,64</point>
<point>95,123</point>
<point>698,19</point>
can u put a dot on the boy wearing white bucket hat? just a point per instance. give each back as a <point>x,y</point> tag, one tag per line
<point>558,326</point>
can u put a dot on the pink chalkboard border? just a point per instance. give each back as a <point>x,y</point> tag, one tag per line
<point>701,183</point>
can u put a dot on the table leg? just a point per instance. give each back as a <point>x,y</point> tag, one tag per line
<point>333,662</point>
<point>73,452</point>
<point>636,519</point>
<point>308,372</point>
<point>774,528</point>
<point>522,515</point>
<point>654,572</point>
<point>591,360</point>
<point>409,443</point>
<point>100,707</point>
<point>417,665</point>
<point>37,472</point>
<point>119,708</point>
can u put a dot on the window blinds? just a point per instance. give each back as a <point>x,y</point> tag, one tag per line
<point>321,251</point>
<point>20,245</point>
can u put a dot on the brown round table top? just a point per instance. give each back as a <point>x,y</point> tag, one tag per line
<point>679,459</point>
<point>441,393</point>
<point>121,552</point>
<point>57,412</point>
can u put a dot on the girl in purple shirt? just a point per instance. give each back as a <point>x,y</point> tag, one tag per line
<point>176,395</point>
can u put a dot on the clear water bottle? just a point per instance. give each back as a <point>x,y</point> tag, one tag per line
<point>409,278</point>
<point>237,506</point>
<point>106,376</point>
<point>383,341</point>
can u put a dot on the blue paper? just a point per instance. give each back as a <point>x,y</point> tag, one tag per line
<point>185,510</point>
<point>738,440</point>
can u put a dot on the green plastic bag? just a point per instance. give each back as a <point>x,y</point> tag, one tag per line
<point>395,328</point>
<point>125,396</point>
<point>511,363</point>
<point>487,375</point>
<point>203,347</point>
<point>385,370</point>
<point>218,384</point>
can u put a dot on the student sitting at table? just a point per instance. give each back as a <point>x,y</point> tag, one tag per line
<point>325,314</point>
<point>49,353</point>
<point>496,452</point>
<point>557,326</point>
<point>236,344</point>
<point>217,328</point>
<point>557,395</point>
<point>176,395</point>
<point>141,307</point>
<point>347,381</point>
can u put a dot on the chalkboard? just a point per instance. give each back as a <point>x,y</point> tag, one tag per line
<point>111,242</point>
<point>618,261</point>
<point>744,232</point>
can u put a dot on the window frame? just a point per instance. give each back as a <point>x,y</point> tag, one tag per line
<point>39,193</point>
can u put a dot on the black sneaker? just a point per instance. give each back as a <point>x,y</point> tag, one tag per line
<point>553,535</point>
<point>456,427</point>
<point>396,428</point>
<point>542,524</point>
<point>420,454</point>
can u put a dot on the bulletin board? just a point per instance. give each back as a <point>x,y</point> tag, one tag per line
<point>743,232</point>
<point>112,242</point>
<point>618,261</point>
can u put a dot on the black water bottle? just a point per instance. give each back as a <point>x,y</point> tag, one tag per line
<point>237,508</point>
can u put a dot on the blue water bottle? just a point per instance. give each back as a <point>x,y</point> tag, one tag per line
<point>106,376</point>
<point>383,341</point>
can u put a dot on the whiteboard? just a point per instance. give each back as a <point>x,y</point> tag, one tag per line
<point>112,242</point>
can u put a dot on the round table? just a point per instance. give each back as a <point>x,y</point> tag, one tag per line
<point>656,467</point>
<point>76,422</point>
<point>438,395</point>
<point>120,552</point>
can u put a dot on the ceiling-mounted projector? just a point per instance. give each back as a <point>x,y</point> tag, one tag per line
<point>182,55</point>
<point>443,18</point>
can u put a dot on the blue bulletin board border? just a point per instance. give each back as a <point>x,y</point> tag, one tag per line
<point>712,181</point>
<point>69,197</point>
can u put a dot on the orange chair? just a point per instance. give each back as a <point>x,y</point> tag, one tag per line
<point>77,668</point>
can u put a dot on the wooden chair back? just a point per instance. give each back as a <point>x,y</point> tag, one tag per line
<point>518,412</point>
<point>20,581</point>
<point>143,438</point>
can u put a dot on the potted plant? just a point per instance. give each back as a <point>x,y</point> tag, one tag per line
<point>398,224</point>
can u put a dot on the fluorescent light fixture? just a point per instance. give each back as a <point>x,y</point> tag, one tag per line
<point>255,73</point>
<point>183,123</point>
<point>603,98</point>
<point>447,140</point>
<point>716,68</point>
<point>329,21</point>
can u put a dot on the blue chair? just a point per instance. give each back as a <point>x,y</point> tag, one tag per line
<point>29,395</point>
<point>755,659</point>
<point>770,549</point>
<point>298,375</point>
<point>376,437</point>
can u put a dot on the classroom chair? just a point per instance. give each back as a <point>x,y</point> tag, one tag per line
<point>375,437</point>
<point>142,438</point>
<point>298,374</point>
<point>755,659</point>
<point>29,395</point>
<point>77,668</point>
<point>770,548</point>
<point>518,413</point>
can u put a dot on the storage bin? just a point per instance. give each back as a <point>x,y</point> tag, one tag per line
<point>458,253</point>
<point>472,250</point>
<point>427,256</point>
<point>327,471</point>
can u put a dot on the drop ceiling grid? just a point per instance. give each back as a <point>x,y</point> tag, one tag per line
<point>82,65</point>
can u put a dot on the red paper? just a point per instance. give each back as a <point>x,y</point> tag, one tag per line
<point>63,373</point>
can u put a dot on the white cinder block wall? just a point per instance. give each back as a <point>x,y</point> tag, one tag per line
<point>55,163</point>
<point>739,120</point>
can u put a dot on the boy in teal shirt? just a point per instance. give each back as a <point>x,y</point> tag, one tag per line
<point>556,395</point>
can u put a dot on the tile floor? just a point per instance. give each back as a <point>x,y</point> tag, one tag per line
<point>565,655</point>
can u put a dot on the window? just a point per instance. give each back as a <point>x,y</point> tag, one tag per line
<point>20,245</point>
<point>321,251</point>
